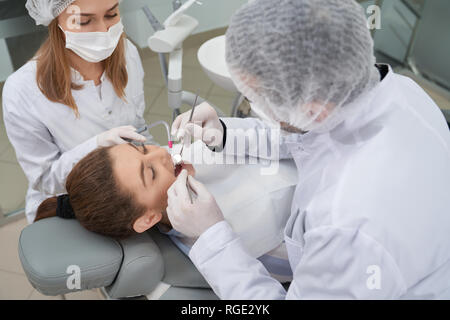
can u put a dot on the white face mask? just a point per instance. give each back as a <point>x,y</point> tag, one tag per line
<point>94,46</point>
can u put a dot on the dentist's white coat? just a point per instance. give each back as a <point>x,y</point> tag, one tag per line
<point>371,216</point>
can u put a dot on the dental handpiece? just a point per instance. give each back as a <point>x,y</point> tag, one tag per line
<point>166,126</point>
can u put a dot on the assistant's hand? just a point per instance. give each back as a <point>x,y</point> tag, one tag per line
<point>191,219</point>
<point>205,125</point>
<point>116,136</point>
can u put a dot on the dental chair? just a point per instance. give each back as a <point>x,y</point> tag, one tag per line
<point>59,256</point>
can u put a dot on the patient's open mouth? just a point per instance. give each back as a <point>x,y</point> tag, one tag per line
<point>183,165</point>
<point>178,169</point>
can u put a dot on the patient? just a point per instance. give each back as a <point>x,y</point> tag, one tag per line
<point>122,190</point>
<point>119,191</point>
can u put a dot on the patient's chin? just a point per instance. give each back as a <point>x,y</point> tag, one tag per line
<point>187,166</point>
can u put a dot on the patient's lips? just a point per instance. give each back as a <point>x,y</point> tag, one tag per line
<point>178,169</point>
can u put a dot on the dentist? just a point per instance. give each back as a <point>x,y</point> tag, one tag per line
<point>83,89</point>
<point>370,216</point>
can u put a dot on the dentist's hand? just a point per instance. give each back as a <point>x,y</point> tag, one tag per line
<point>116,136</point>
<point>191,219</point>
<point>205,125</point>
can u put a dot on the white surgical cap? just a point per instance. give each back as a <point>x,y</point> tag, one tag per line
<point>44,11</point>
<point>294,59</point>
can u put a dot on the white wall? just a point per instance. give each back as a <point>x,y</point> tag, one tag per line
<point>212,14</point>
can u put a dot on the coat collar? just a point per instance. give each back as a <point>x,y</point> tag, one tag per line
<point>77,78</point>
<point>366,108</point>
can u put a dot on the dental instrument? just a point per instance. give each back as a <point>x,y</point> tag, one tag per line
<point>178,157</point>
<point>169,137</point>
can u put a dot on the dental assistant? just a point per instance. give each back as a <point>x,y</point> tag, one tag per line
<point>82,90</point>
<point>370,216</point>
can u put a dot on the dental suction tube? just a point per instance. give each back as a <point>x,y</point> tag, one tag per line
<point>161,122</point>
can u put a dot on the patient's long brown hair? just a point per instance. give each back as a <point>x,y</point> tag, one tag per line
<point>54,75</point>
<point>99,204</point>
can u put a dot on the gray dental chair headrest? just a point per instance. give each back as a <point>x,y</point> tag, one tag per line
<point>59,256</point>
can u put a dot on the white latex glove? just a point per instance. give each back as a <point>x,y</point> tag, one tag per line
<point>205,125</point>
<point>116,136</point>
<point>191,219</point>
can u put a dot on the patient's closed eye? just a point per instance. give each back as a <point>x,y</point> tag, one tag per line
<point>153,172</point>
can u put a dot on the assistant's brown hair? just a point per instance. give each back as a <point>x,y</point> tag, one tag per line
<point>54,75</point>
<point>98,202</point>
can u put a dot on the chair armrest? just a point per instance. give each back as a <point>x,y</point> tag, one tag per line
<point>126,268</point>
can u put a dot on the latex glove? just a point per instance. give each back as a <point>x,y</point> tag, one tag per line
<point>116,136</point>
<point>191,219</point>
<point>205,125</point>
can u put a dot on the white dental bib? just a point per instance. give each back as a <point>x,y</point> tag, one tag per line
<point>256,206</point>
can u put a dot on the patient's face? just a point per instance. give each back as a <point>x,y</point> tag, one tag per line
<point>146,172</point>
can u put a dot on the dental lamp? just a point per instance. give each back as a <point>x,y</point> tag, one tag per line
<point>168,39</point>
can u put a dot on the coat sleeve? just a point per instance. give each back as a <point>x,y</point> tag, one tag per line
<point>258,139</point>
<point>45,166</point>
<point>231,272</point>
<point>335,264</point>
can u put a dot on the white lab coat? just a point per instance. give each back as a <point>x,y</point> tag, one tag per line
<point>370,218</point>
<point>47,137</point>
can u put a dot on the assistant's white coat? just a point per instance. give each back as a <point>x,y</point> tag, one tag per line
<point>47,137</point>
